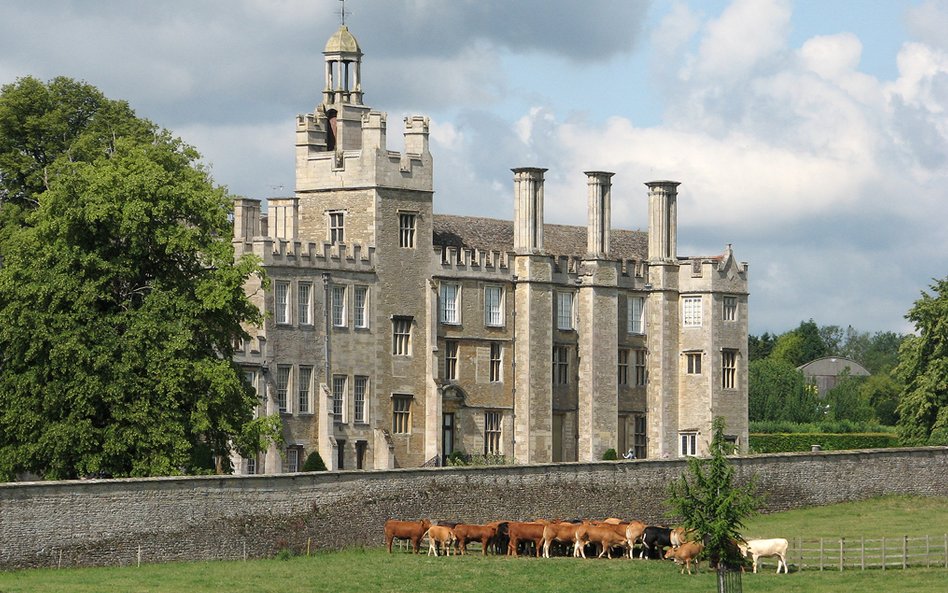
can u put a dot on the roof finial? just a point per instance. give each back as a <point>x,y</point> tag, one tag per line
<point>343,12</point>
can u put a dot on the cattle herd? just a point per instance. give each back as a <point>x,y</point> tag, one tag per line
<point>572,538</point>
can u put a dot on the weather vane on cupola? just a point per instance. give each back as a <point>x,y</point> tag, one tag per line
<point>343,12</point>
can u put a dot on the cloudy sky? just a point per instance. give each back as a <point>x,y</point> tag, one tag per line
<point>810,134</point>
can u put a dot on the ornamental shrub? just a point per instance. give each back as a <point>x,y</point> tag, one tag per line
<point>314,463</point>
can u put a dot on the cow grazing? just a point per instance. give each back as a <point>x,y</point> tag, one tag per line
<point>465,532</point>
<point>766,548</point>
<point>440,535</point>
<point>524,532</point>
<point>654,541</point>
<point>685,554</point>
<point>601,535</point>
<point>413,531</point>
<point>633,532</point>
<point>558,532</point>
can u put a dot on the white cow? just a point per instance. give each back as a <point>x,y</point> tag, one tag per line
<point>765,548</point>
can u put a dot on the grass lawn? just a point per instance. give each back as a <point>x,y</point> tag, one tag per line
<point>374,570</point>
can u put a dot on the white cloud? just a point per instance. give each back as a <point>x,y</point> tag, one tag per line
<point>832,56</point>
<point>928,22</point>
<point>747,34</point>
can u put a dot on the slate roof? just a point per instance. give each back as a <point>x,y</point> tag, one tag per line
<point>489,234</point>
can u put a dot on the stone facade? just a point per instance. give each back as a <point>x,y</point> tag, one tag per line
<point>122,522</point>
<point>395,336</point>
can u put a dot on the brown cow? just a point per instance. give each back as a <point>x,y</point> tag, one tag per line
<point>685,554</point>
<point>560,532</point>
<point>524,531</point>
<point>413,531</point>
<point>443,535</point>
<point>602,535</point>
<point>680,535</point>
<point>633,533</point>
<point>465,533</point>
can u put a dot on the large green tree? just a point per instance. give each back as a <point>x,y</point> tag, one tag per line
<point>923,368</point>
<point>778,391</point>
<point>847,400</point>
<point>708,501</point>
<point>120,298</point>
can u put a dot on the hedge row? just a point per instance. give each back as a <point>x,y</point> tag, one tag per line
<point>788,442</point>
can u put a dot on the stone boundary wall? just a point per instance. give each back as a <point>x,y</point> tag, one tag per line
<point>122,522</point>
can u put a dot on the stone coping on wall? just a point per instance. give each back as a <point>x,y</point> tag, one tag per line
<point>192,481</point>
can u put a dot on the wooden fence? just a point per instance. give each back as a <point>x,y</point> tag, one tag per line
<point>886,553</point>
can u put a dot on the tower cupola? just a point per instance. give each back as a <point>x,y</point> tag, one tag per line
<point>343,69</point>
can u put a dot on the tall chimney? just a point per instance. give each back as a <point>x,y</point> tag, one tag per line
<point>663,220</point>
<point>599,186</point>
<point>528,209</point>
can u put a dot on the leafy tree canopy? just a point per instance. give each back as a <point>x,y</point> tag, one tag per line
<point>847,400</point>
<point>709,502</point>
<point>778,391</point>
<point>120,299</point>
<point>923,368</point>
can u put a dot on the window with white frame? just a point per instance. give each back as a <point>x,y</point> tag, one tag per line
<point>730,308</point>
<point>401,336</point>
<point>304,303</point>
<point>496,351</point>
<point>694,362</point>
<point>728,369</point>
<point>450,360</point>
<point>636,313</point>
<point>401,414</point>
<point>339,398</point>
<point>564,310</point>
<point>339,316</point>
<point>406,229</point>
<point>360,391</point>
<point>691,311</point>
<point>687,444</point>
<point>281,292</point>
<point>360,314</point>
<point>640,376</point>
<point>450,303</point>
<point>492,433</point>
<point>623,376</point>
<point>250,465</point>
<point>283,382</point>
<point>337,232</point>
<point>560,365</point>
<point>493,306</point>
<point>304,379</point>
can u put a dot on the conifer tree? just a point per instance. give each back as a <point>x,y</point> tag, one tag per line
<point>709,502</point>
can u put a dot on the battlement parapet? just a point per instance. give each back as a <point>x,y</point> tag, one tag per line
<point>460,260</point>
<point>566,264</point>
<point>634,268</point>
<point>354,257</point>
<point>365,161</point>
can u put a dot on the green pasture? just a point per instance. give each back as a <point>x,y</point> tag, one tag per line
<point>372,570</point>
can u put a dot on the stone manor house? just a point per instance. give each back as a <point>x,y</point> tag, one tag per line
<point>395,336</point>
